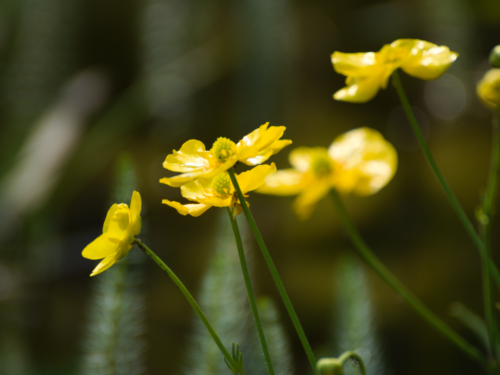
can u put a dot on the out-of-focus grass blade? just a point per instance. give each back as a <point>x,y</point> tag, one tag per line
<point>471,320</point>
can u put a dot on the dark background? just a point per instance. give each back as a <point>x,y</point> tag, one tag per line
<point>82,82</point>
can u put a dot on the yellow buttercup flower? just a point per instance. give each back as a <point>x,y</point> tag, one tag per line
<point>193,161</point>
<point>121,225</point>
<point>369,72</point>
<point>360,161</point>
<point>488,89</point>
<point>219,191</point>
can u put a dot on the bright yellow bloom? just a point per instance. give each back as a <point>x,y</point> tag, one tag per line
<point>369,72</point>
<point>360,161</point>
<point>488,89</point>
<point>193,161</point>
<point>121,225</point>
<point>219,191</point>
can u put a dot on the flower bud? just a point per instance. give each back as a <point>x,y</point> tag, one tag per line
<point>488,89</point>
<point>329,366</point>
<point>495,57</point>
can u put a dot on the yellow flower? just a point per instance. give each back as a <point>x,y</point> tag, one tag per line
<point>488,89</point>
<point>121,225</point>
<point>193,161</point>
<point>219,191</point>
<point>360,161</point>
<point>369,72</point>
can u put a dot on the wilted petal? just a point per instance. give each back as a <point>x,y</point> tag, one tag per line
<point>188,209</point>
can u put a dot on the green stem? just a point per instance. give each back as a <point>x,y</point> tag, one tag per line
<point>485,220</point>
<point>453,200</point>
<point>395,284</point>
<point>350,354</point>
<point>234,366</point>
<point>251,296</point>
<point>274,273</point>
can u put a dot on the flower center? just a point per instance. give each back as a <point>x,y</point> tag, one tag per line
<point>321,165</point>
<point>222,184</point>
<point>223,149</point>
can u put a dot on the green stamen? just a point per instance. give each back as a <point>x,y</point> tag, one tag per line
<point>223,149</point>
<point>222,185</point>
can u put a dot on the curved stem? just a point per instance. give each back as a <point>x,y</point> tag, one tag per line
<point>251,296</point>
<point>485,219</point>
<point>449,193</point>
<point>395,284</point>
<point>350,354</point>
<point>274,273</point>
<point>235,367</point>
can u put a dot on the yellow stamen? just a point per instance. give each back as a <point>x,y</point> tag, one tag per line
<point>223,149</point>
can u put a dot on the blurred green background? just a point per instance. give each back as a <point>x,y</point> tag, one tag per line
<point>85,81</point>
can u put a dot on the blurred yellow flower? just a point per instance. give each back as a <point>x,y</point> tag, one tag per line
<point>218,191</point>
<point>121,225</point>
<point>369,72</point>
<point>360,161</point>
<point>193,161</point>
<point>488,89</point>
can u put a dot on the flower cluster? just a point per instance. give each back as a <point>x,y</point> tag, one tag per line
<point>369,72</point>
<point>360,161</point>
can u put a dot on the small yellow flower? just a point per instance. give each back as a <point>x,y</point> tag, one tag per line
<point>360,161</point>
<point>193,161</point>
<point>219,191</point>
<point>488,89</point>
<point>369,72</point>
<point>121,225</point>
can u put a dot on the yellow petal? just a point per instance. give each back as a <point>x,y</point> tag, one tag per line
<point>360,90</point>
<point>191,209</point>
<point>256,147</point>
<point>355,64</point>
<point>99,248</point>
<point>428,61</point>
<point>301,158</point>
<point>284,182</point>
<point>252,138</point>
<point>177,181</point>
<point>191,157</point>
<point>366,161</point>
<point>105,264</point>
<point>262,156</point>
<point>306,202</point>
<point>119,223</point>
<point>255,178</point>
<point>109,216</point>
<point>488,89</point>
<point>135,212</point>
<point>197,189</point>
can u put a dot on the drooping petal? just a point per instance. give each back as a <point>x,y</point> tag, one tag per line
<point>188,209</point>
<point>135,212</point>
<point>428,61</point>
<point>355,64</point>
<point>109,216</point>
<point>284,182</point>
<point>255,178</point>
<point>362,89</point>
<point>99,248</point>
<point>105,264</point>
<point>306,202</point>
<point>191,157</point>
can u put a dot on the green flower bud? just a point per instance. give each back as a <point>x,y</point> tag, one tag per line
<point>329,366</point>
<point>495,57</point>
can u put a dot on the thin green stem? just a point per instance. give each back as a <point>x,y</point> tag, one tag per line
<point>449,193</point>
<point>274,273</point>
<point>395,284</point>
<point>251,296</point>
<point>235,366</point>
<point>359,361</point>
<point>485,220</point>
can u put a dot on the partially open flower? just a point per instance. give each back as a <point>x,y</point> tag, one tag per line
<point>488,89</point>
<point>219,191</point>
<point>360,161</point>
<point>369,72</point>
<point>193,161</point>
<point>121,225</point>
